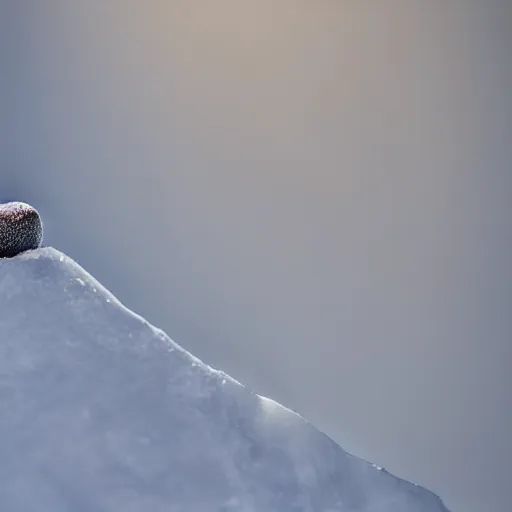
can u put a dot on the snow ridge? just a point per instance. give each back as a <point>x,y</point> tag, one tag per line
<point>101,411</point>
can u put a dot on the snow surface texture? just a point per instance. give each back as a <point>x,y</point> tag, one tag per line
<point>101,412</point>
<point>20,229</point>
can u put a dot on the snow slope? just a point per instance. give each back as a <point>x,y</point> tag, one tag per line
<point>101,412</point>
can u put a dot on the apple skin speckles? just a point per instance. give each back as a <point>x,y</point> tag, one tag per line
<point>21,229</point>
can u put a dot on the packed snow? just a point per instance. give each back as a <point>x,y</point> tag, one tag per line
<point>102,412</point>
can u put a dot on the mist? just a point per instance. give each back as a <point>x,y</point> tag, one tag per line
<point>310,196</point>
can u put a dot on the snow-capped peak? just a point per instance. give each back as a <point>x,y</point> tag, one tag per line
<point>100,411</point>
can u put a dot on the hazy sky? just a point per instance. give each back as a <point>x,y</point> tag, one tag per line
<point>310,195</point>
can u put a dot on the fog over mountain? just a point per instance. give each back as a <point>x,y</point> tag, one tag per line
<point>310,196</point>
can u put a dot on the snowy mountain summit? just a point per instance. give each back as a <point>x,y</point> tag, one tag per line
<point>101,412</point>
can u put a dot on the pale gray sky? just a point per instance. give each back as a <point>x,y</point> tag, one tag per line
<point>311,196</point>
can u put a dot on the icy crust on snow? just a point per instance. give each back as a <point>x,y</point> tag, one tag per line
<point>100,411</point>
